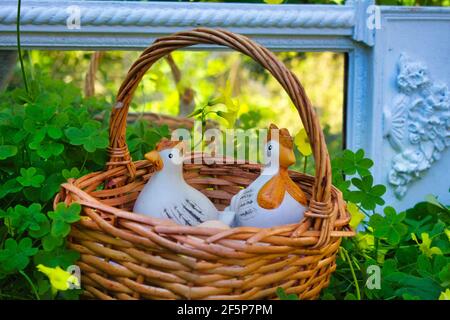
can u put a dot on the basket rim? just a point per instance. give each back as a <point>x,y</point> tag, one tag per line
<point>300,230</point>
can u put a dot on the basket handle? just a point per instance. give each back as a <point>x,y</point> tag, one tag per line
<point>320,203</point>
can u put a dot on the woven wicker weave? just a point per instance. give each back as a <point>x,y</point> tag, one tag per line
<point>130,256</point>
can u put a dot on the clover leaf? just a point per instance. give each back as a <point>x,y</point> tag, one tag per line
<point>29,178</point>
<point>340,183</point>
<point>350,296</point>
<point>89,136</point>
<point>54,132</point>
<point>51,186</point>
<point>418,226</point>
<point>39,131</point>
<point>368,194</point>
<point>10,186</point>
<point>38,135</point>
<point>42,228</point>
<point>46,149</point>
<point>59,257</point>
<point>72,173</point>
<point>62,217</point>
<point>7,151</point>
<point>50,242</point>
<point>141,138</point>
<point>353,162</point>
<point>44,107</point>
<point>284,296</point>
<point>433,267</point>
<point>389,227</point>
<point>31,219</point>
<point>60,228</point>
<point>15,256</point>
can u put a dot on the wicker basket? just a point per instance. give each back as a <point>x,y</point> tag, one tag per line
<point>130,256</point>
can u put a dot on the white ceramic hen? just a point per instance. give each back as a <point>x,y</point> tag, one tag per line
<point>167,195</point>
<point>273,198</point>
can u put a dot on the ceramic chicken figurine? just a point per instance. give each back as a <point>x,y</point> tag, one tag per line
<point>167,195</point>
<point>273,198</point>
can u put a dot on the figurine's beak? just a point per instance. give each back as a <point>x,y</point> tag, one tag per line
<point>287,157</point>
<point>291,157</point>
<point>155,159</point>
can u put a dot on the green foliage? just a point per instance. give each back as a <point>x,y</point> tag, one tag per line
<point>29,178</point>
<point>7,151</point>
<point>88,136</point>
<point>250,119</point>
<point>412,248</point>
<point>351,163</point>
<point>22,219</point>
<point>284,296</point>
<point>62,217</point>
<point>411,267</point>
<point>389,227</point>
<point>368,195</point>
<point>141,138</point>
<point>47,136</point>
<point>35,124</point>
<point>355,164</point>
<point>15,256</point>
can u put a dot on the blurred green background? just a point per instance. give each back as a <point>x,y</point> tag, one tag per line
<point>261,99</point>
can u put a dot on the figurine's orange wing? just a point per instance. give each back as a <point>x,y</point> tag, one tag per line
<point>293,189</point>
<point>272,193</point>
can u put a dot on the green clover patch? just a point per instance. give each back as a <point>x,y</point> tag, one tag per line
<point>389,227</point>
<point>62,217</point>
<point>29,178</point>
<point>15,256</point>
<point>89,136</point>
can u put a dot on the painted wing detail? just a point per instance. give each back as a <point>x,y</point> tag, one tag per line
<point>272,193</point>
<point>186,213</point>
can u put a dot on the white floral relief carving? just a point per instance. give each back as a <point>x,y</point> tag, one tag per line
<point>417,125</point>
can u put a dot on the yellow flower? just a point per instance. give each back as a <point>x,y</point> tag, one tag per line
<point>301,140</point>
<point>356,214</point>
<point>274,1</point>
<point>232,106</point>
<point>59,278</point>
<point>445,295</point>
<point>230,117</point>
<point>425,246</point>
<point>364,240</point>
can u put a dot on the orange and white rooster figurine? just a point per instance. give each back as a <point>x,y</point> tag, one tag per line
<point>167,195</point>
<point>273,198</point>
